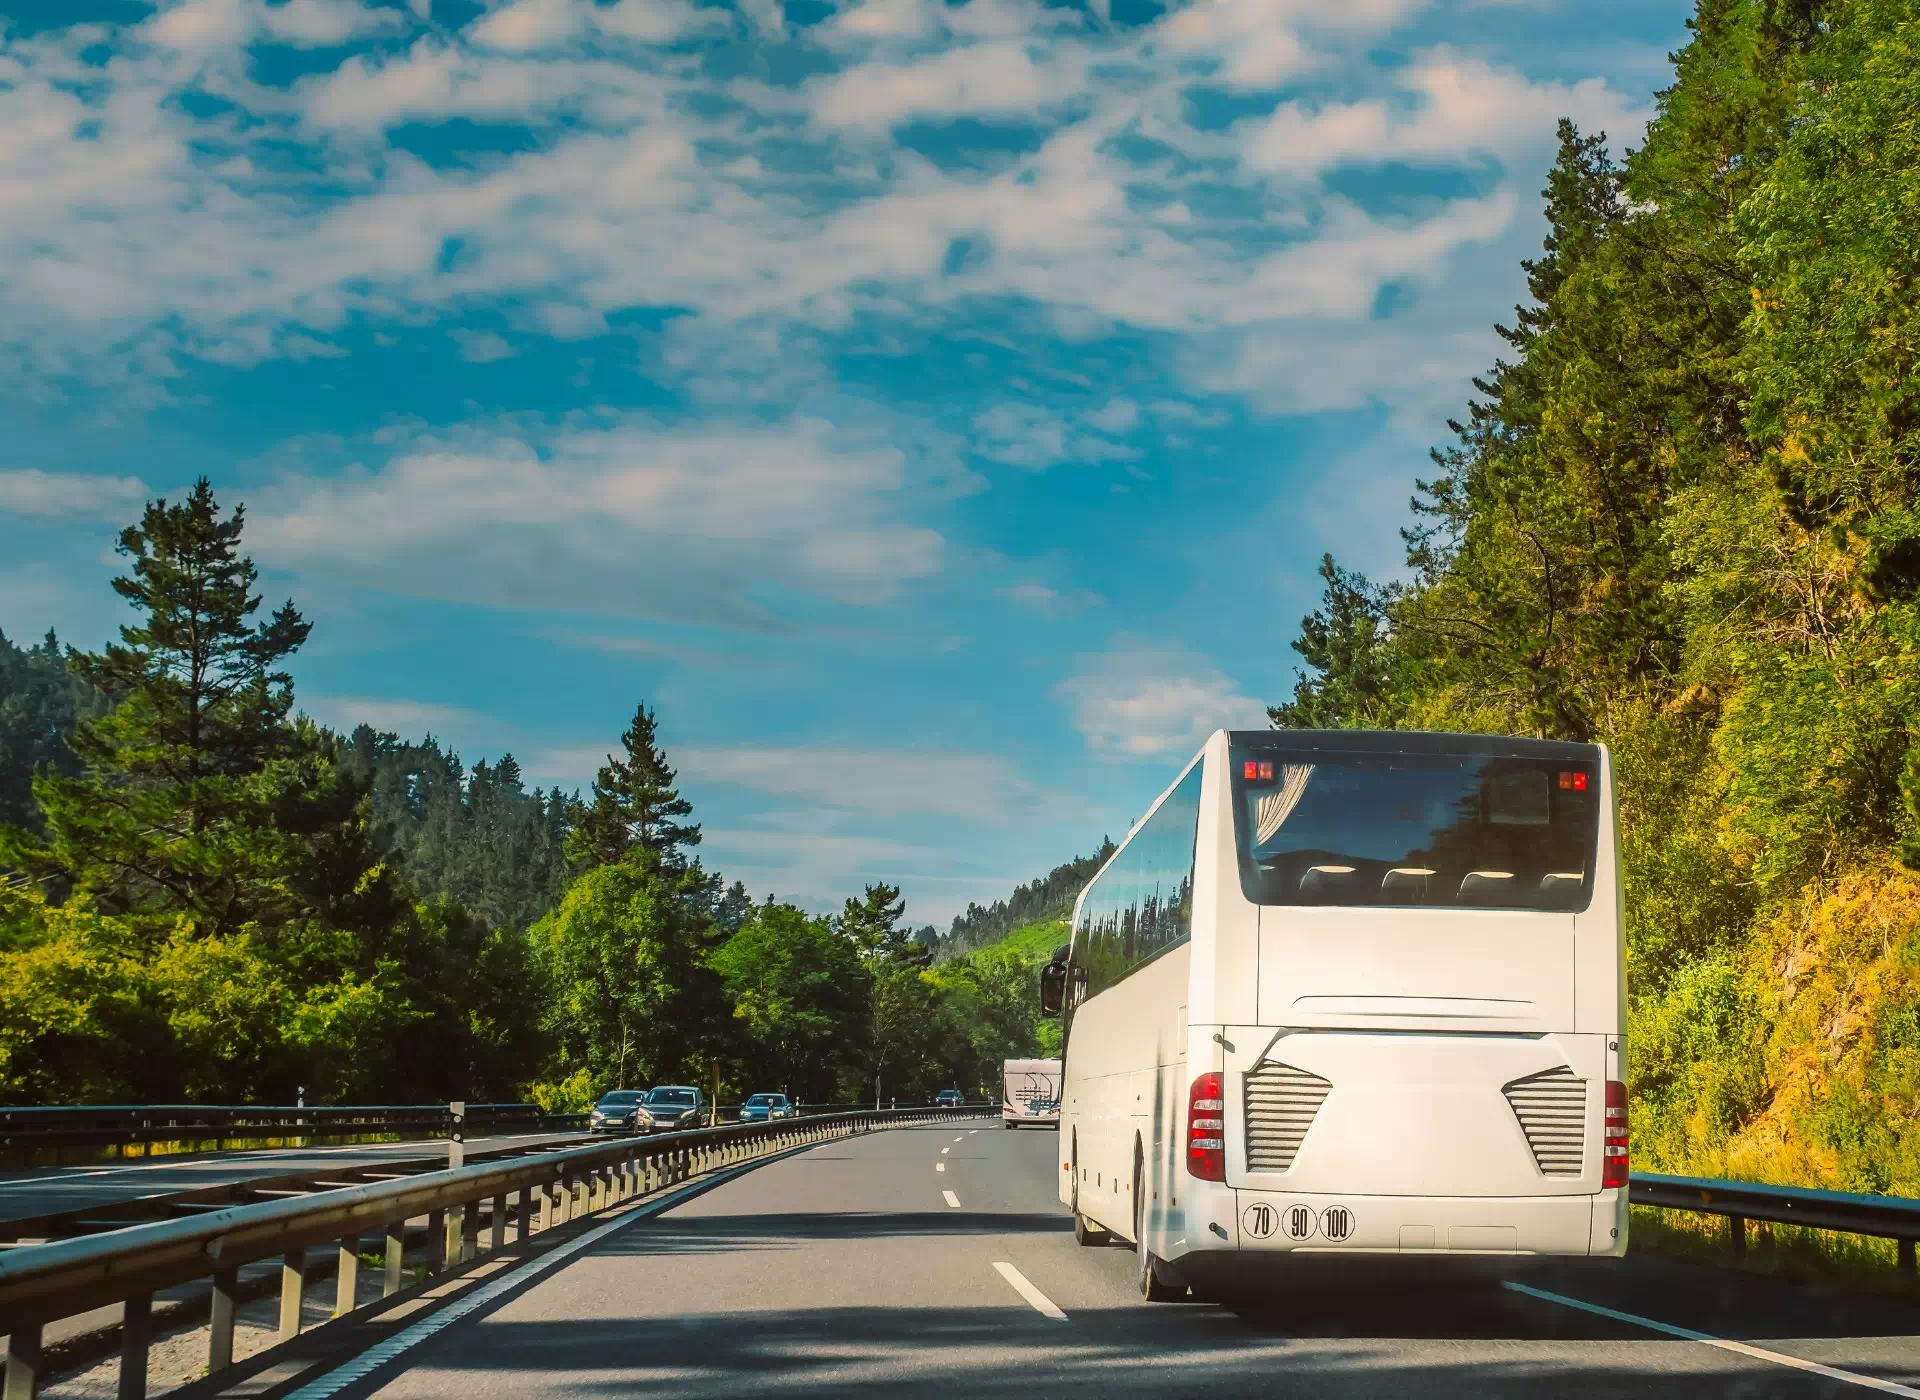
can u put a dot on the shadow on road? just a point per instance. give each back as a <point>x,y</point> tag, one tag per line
<point>714,1234</point>
<point>994,1352</point>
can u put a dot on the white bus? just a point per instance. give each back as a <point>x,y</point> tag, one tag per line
<point>1030,1093</point>
<point>1350,992</point>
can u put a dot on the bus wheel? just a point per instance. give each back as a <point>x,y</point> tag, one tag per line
<point>1156,1286</point>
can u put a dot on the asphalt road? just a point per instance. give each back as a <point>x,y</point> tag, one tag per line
<point>43,1190</point>
<point>847,1270</point>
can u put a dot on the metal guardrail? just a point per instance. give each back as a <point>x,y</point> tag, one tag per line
<point>1884,1217</point>
<point>43,1283</point>
<point>27,1130</point>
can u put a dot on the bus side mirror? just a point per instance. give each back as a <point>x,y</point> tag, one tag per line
<point>1053,988</point>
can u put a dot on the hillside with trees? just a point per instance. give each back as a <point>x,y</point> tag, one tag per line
<point>206,896</point>
<point>1680,518</point>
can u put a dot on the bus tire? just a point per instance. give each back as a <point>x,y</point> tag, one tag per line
<point>1008,1123</point>
<point>1156,1282</point>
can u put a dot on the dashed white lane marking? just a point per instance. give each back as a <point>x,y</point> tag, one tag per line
<point>945,1150</point>
<point>952,1199</point>
<point>1042,1304</point>
<point>961,1138</point>
<point>939,1166</point>
<point>1707,1339</point>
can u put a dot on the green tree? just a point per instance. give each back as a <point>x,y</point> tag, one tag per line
<point>629,995</point>
<point>635,805</point>
<point>1351,684</point>
<point>800,992</point>
<point>41,702</point>
<point>170,814</point>
<point>872,924</point>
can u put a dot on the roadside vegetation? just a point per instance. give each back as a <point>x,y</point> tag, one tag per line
<point>1681,518</point>
<point>207,897</point>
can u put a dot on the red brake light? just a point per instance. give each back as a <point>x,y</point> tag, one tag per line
<point>1579,782</point>
<point>1207,1129</point>
<point>1613,1137</point>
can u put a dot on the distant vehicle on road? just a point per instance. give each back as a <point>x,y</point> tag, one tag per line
<point>949,1098</point>
<point>672,1108</point>
<point>763,1108</point>
<point>616,1112</point>
<point>1366,992</point>
<point>1031,1093</point>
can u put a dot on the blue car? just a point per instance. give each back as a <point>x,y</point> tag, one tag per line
<point>764,1108</point>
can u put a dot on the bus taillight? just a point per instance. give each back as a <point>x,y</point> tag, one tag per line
<point>1207,1129</point>
<point>1613,1137</point>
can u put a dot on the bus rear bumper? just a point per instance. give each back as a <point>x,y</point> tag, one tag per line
<point>1224,1224</point>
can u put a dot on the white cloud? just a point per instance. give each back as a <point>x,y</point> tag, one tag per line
<point>481,347</point>
<point>70,495</point>
<point>319,22</point>
<point>1051,602</point>
<point>139,236</point>
<point>1140,700</point>
<point>702,524</point>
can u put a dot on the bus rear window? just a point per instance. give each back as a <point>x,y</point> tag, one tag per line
<point>1491,831</point>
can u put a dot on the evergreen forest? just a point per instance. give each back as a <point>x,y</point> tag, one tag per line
<point>1680,517</point>
<point>205,896</point>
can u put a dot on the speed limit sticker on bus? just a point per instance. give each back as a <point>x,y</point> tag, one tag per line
<point>1260,1221</point>
<point>1299,1222</point>
<point>1336,1223</point>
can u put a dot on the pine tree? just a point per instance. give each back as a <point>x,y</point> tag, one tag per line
<point>635,805</point>
<point>734,909</point>
<point>40,703</point>
<point>872,924</point>
<point>169,815</point>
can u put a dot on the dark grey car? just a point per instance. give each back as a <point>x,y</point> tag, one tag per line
<point>672,1108</point>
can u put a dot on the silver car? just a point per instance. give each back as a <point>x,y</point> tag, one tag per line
<point>617,1111</point>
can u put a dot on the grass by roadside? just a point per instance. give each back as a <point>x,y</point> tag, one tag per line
<point>1793,1253</point>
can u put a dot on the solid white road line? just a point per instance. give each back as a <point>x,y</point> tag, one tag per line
<point>1041,1302</point>
<point>952,1199</point>
<point>367,1362</point>
<point>1707,1339</point>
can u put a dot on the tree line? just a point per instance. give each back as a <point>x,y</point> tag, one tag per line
<point>204,895</point>
<point>1680,517</point>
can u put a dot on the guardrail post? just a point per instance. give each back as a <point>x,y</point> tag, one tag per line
<point>293,1291</point>
<point>396,1258</point>
<point>1903,1255</point>
<point>23,1362</point>
<point>497,1238</point>
<point>597,1192</point>
<point>436,1241</point>
<point>1737,1235</point>
<point>136,1333</point>
<point>469,1231</point>
<point>226,1289</point>
<point>543,1210</point>
<point>577,1207</point>
<point>346,1276</point>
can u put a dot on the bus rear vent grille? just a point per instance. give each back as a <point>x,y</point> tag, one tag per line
<point>1552,1109</point>
<point>1281,1102</point>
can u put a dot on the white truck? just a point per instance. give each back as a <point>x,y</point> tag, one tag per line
<point>1032,1093</point>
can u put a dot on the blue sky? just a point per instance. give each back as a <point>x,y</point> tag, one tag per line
<point>936,411</point>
